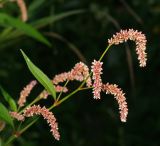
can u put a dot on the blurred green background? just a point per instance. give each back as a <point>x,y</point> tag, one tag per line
<point>79,30</point>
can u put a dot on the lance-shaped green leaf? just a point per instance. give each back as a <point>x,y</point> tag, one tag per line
<point>40,76</point>
<point>51,19</point>
<point>5,116</point>
<point>8,21</point>
<point>9,99</point>
<point>33,7</point>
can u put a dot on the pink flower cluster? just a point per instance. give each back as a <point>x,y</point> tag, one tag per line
<point>79,72</point>
<point>25,92</point>
<point>134,35</point>
<point>37,110</point>
<point>61,89</point>
<point>51,120</point>
<point>96,68</point>
<point>119,96</point>
<point>17,116</point>
<point>44,94</point>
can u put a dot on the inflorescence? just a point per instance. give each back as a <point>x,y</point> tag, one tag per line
<point>80,72</point>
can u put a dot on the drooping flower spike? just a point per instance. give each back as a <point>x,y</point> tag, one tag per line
<point>79,72</point>
<point>51,120</point>
<point>119,96</point>
<point>25,92</point>
<point>60,78</point>
<point>134,35</point>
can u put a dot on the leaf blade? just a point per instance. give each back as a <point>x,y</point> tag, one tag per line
<point>6,20</point>
<point>5,116</point>
<point>9,99</point>
<point>40,76</point>
<point>51,19</point>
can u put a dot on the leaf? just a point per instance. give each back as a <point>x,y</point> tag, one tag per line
<point>48,20</point>
<point>40,76</point>
<point>6,32</point>
<point>5,116</point>
<point>9,99</point>
<point>34,5</point>
<point>6,21</point>
<point>36,24</point>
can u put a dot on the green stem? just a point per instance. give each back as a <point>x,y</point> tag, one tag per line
<point>13,137</point>
<point>104,52</point>
<point>10,140</point>
<point>29,125</point>
<point>59,96</point>
<point>63,99</point>
<point>86,88</point>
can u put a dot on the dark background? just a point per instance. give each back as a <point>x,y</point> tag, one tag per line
<point>82,120</point>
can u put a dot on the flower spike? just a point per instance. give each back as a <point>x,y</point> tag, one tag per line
<point>119,96</point>
<point>134,35</point>
<point>97,71</point>
<point>51,120</point>
<point>25,92</point>
<point>79,72</point>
